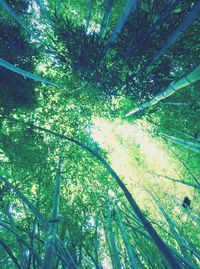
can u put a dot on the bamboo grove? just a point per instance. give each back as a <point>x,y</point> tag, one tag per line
<point>63,202</point>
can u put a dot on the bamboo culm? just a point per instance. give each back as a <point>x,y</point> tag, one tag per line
<point>41,219</point>
<point>171,89</point>
<point>135,45</point>
<point>51,240</point>
<point>173,230</point>
<point>90,7</point>
<point>106,17</point>
<point>180,30</point>
<point>43,9</point>
<point>130,5</point>
<point>22,23</point>
<point>111,237</point>
<point>183,142</point>
<point>26,74</point>
<point>129,248</point>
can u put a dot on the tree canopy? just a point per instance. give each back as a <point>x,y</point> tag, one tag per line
<point>99,134</point>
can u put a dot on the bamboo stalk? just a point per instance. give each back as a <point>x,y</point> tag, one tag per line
<point>106,17</point>
<point>129,248</point>
<point>113,248</point>
<point>180,30</point>
<point>51,239</point>
<point>130,5</point>
<point>21,22</point>
<point>90,7</point>
<point>171,89</point>
<point>43,9</point>
<point>173,231</point>
<point>24,73</point>
<point>183,142</point>
<point>10,254</point>
<point>135,45</point>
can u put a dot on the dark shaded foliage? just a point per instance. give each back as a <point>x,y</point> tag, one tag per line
<point>20,6</point>
<point>139,82</point>
<point>16,91</point>
<point>84,49</point>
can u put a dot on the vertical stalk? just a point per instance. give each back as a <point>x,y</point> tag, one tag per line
<point>90,7</point>
<point>111,238</point>
<point>129,248</point>
<point>21,251</point>
<point>106,17</point>
<point>49,257</point>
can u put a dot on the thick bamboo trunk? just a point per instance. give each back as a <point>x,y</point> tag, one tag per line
<point>130,5</point>
<point>181,29</point>
<point>145,34</point>
<point>106,17</point>
<point>24,73</point>
<point>183,142</point>
<point>171,89</point>
<point>161,245</point>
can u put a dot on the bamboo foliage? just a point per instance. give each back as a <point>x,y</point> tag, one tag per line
<point>181,29</point>
<point>171,89</point>
<point>162,247</point>
<point>80,202</point>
